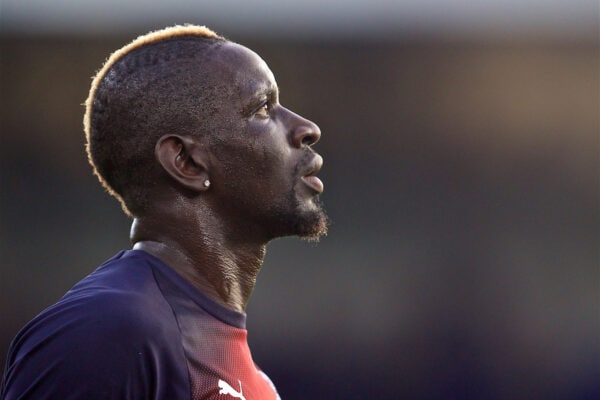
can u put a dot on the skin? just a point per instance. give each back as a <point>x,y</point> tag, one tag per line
<point>261,169</point>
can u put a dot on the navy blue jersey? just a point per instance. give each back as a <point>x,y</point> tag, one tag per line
<point>134,329</point>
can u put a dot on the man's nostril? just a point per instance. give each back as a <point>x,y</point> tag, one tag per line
<point>308,140</point>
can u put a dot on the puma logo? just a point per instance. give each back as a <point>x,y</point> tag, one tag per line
<point>225,388</point>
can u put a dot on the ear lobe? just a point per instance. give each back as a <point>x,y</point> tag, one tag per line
<point>184,160</point>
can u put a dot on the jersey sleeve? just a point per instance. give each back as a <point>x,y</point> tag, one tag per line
<point>104,347</point>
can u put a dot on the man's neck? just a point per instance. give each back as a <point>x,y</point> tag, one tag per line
<point>222,269</point>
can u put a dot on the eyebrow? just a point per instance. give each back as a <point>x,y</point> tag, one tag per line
<point>269,92</point>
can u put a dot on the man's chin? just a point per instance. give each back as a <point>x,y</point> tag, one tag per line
<point>313,229</point>
<point>310,225</point>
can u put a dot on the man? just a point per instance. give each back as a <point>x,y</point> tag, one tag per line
<point>186,130</point>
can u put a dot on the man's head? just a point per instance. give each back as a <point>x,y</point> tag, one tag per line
<point>142,92</point>
<point>181,107</point>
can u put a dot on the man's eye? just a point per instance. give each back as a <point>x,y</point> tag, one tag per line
<point>263,111</point>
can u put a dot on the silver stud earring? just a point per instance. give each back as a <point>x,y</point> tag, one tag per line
<point>206,183</point>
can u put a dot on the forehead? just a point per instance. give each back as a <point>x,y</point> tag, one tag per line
<point>247,73</point>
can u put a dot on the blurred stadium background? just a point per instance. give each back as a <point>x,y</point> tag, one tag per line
<point>461,171</point>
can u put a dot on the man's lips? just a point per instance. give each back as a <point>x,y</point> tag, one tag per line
<point>310,178</point>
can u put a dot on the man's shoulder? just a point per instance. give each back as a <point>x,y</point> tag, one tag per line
<point>114,326</point>
<point>125,273</point>
<point>121,295</point>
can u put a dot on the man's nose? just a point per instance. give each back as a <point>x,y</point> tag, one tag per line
<point>305,133</point>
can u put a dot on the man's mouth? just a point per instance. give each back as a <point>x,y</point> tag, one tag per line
<point>310,178</point>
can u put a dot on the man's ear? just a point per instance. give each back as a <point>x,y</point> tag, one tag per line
<point>185,160</point>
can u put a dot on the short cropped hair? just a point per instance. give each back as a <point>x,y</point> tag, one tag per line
<point>150,87</point>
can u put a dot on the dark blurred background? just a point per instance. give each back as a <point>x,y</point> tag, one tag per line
<point>461,146</point>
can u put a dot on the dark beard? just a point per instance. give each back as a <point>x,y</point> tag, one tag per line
<point>313,225</point>
<point>310,225</point>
